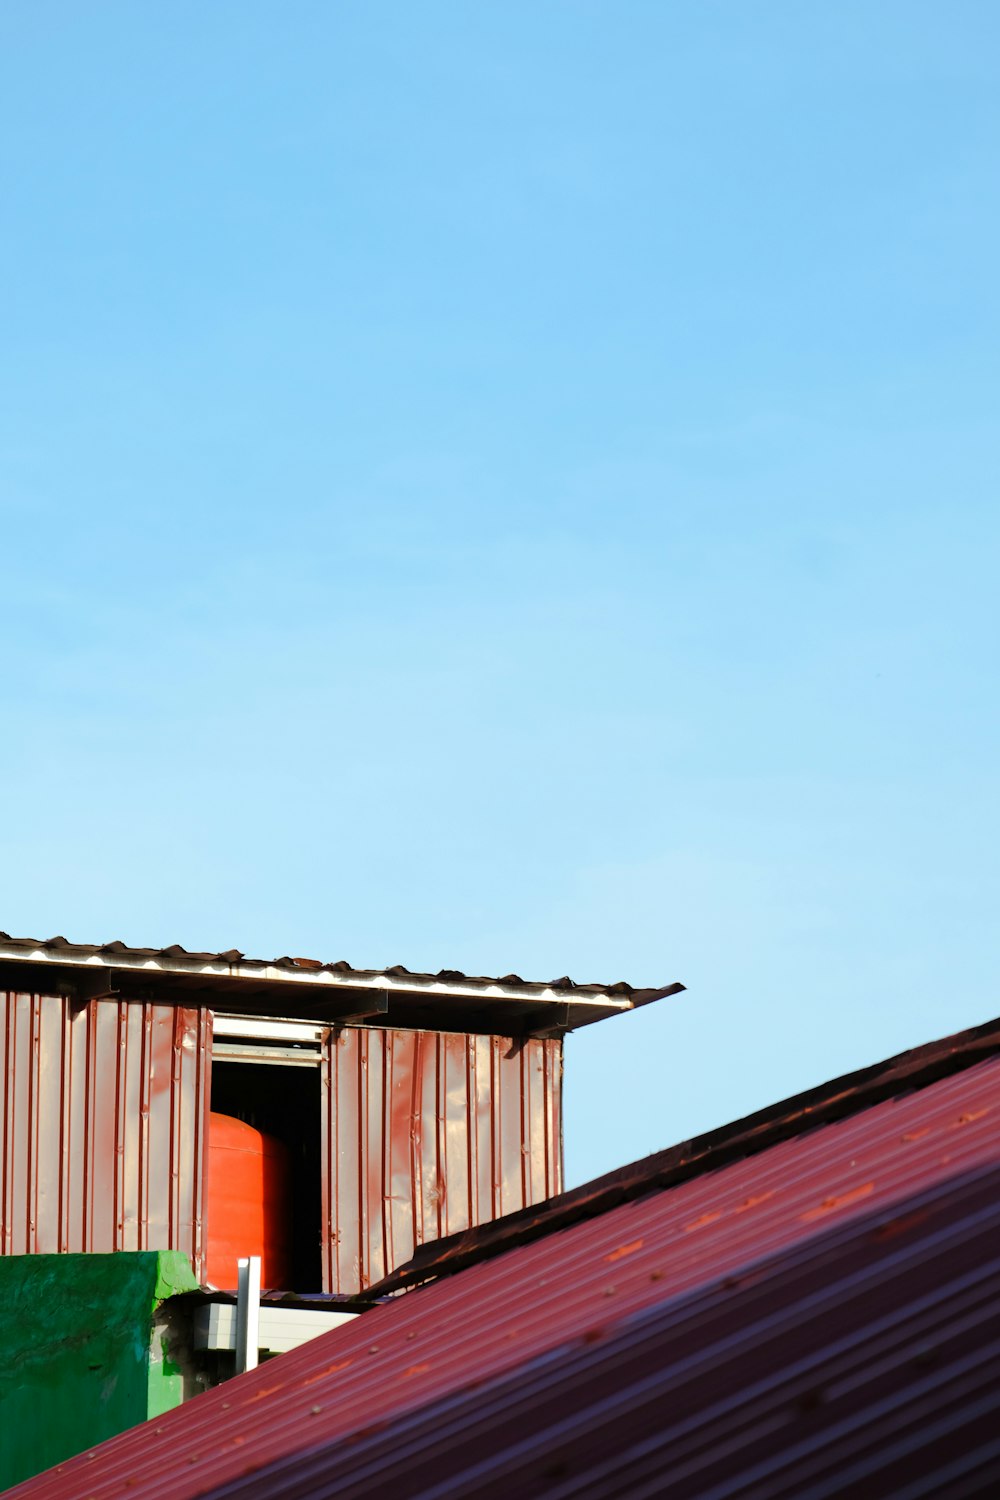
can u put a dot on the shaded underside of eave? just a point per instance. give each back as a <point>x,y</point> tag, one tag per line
<point>802,1113</point>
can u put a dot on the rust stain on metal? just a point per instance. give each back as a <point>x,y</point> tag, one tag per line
<point>702,1221</point>
<point>754,1201</point>
<point>624,1250</point>
<point>839,1200</point>
<point>328,1370</point>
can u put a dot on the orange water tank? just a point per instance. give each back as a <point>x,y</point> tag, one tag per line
<point>249,1203</point>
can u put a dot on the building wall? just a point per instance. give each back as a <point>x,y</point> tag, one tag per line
<point>77,1362</point>
<point>102,1125</point>
<point>103,1120</point>
<point>427,1133</point>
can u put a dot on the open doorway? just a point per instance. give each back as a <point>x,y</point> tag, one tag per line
<point>282,1102</point>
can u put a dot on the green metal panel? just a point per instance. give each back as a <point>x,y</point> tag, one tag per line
<point>75,1358</point>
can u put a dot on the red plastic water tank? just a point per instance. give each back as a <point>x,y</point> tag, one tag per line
<point>249,1203</point>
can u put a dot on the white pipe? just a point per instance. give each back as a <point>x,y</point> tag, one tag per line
<point>247,1313</point>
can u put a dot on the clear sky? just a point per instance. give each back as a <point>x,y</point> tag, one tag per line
<point>513,486</point>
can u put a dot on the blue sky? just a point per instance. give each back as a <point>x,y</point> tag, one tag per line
<point>514,487</point>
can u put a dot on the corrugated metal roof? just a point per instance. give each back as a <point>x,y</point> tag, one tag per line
<point>543,1006</point>
<point>751,1306</point>
<point>865,1362</point>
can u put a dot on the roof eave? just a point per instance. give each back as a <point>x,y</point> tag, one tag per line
<point>551,1009</point>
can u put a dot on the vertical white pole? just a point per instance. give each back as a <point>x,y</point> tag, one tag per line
<point>247,1313</point>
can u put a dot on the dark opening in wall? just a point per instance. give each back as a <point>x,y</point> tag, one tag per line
<point>283,1102</point>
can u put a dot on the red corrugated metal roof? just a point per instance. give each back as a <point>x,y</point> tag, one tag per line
<point>702,1292</point>
<point>863,1362</point>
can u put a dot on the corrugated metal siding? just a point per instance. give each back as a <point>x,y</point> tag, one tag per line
<point>426,1133</point>
<point>102,1114</point>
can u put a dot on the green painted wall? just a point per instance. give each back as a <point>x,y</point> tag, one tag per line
<point>75,1358</point>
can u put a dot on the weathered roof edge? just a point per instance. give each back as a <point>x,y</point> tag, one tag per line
<point>567,1003</point>
<point>841,1097</point>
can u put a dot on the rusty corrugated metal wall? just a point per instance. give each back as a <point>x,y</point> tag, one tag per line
<point>103,1115</point>
<point>102,1125</point>
<point>426,1133</point>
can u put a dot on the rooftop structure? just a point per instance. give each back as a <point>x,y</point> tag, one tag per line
<point>396,1107</point>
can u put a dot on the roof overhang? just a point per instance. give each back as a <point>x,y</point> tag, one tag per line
<point>335,993</point>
